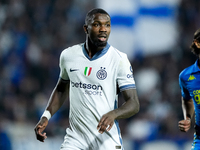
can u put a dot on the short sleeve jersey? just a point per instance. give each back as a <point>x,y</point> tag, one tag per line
<point>189,81</point>
<point>93,83</point>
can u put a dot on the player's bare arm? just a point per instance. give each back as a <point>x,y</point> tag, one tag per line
<point>55,102</point>
<point>188,111</point>
<point>128,109</point>
<point>58,96</point>
<point>131,105</point>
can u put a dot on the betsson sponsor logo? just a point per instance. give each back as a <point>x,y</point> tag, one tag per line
<point>90,89</point>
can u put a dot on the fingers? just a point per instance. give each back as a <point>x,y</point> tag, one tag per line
<point>38,131</point>
<point>184,125</point>
<point>104,127</point>
<point>184,129</point>
<point>39,135</point>
<point>105,124</point>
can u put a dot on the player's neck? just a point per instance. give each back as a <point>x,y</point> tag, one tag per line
<point>91,49</point>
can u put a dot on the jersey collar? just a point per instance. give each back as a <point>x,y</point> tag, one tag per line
<point>195,67</point>
<point>98,54</point>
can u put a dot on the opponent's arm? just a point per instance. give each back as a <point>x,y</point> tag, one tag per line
<point>56,100</point>
<point>128,109</point>
<point>188,111</point>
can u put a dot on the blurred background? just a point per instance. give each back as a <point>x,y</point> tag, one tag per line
<point>156,35</point>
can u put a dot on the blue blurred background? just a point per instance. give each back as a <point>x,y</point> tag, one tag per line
<point>156,36</point>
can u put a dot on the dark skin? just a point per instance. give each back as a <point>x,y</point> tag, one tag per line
<point>97,33</point>
<point>56,100</point>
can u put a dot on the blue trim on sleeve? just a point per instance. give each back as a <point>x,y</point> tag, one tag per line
<point>125,87</point>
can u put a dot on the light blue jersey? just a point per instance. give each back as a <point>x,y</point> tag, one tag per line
<point>93,91</point>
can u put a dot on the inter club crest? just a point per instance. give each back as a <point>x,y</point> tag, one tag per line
<point>101,74</point>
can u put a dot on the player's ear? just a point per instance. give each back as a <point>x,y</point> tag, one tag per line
<point>85,27</point>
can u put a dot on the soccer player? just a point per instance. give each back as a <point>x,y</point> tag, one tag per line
<point>189,80</point>
<point>92,71</point>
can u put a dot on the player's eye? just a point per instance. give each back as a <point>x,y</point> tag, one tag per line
<point>96,25</point>
<point>107,25</point>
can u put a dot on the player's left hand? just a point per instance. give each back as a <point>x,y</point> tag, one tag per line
<point>106,122</point>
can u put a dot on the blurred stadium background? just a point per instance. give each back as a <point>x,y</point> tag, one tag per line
<point>155,34</point>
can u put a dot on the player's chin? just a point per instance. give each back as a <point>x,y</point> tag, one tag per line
<point>101,43</point>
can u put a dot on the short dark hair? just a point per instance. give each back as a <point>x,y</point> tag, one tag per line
<point>93,12</point>
<point>193,46</point>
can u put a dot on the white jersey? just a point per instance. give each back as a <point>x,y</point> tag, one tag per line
<point>93,88</point>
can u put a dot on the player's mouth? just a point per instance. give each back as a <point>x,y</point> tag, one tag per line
<point>102,38</point>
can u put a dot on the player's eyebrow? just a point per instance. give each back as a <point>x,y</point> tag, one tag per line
<point>97,21</point>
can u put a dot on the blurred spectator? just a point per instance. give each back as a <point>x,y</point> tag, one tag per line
<point>5,143</point>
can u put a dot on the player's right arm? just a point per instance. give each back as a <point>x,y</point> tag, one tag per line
<point>188,111</point>
<point>187,104</point>
<point>56,100</point>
